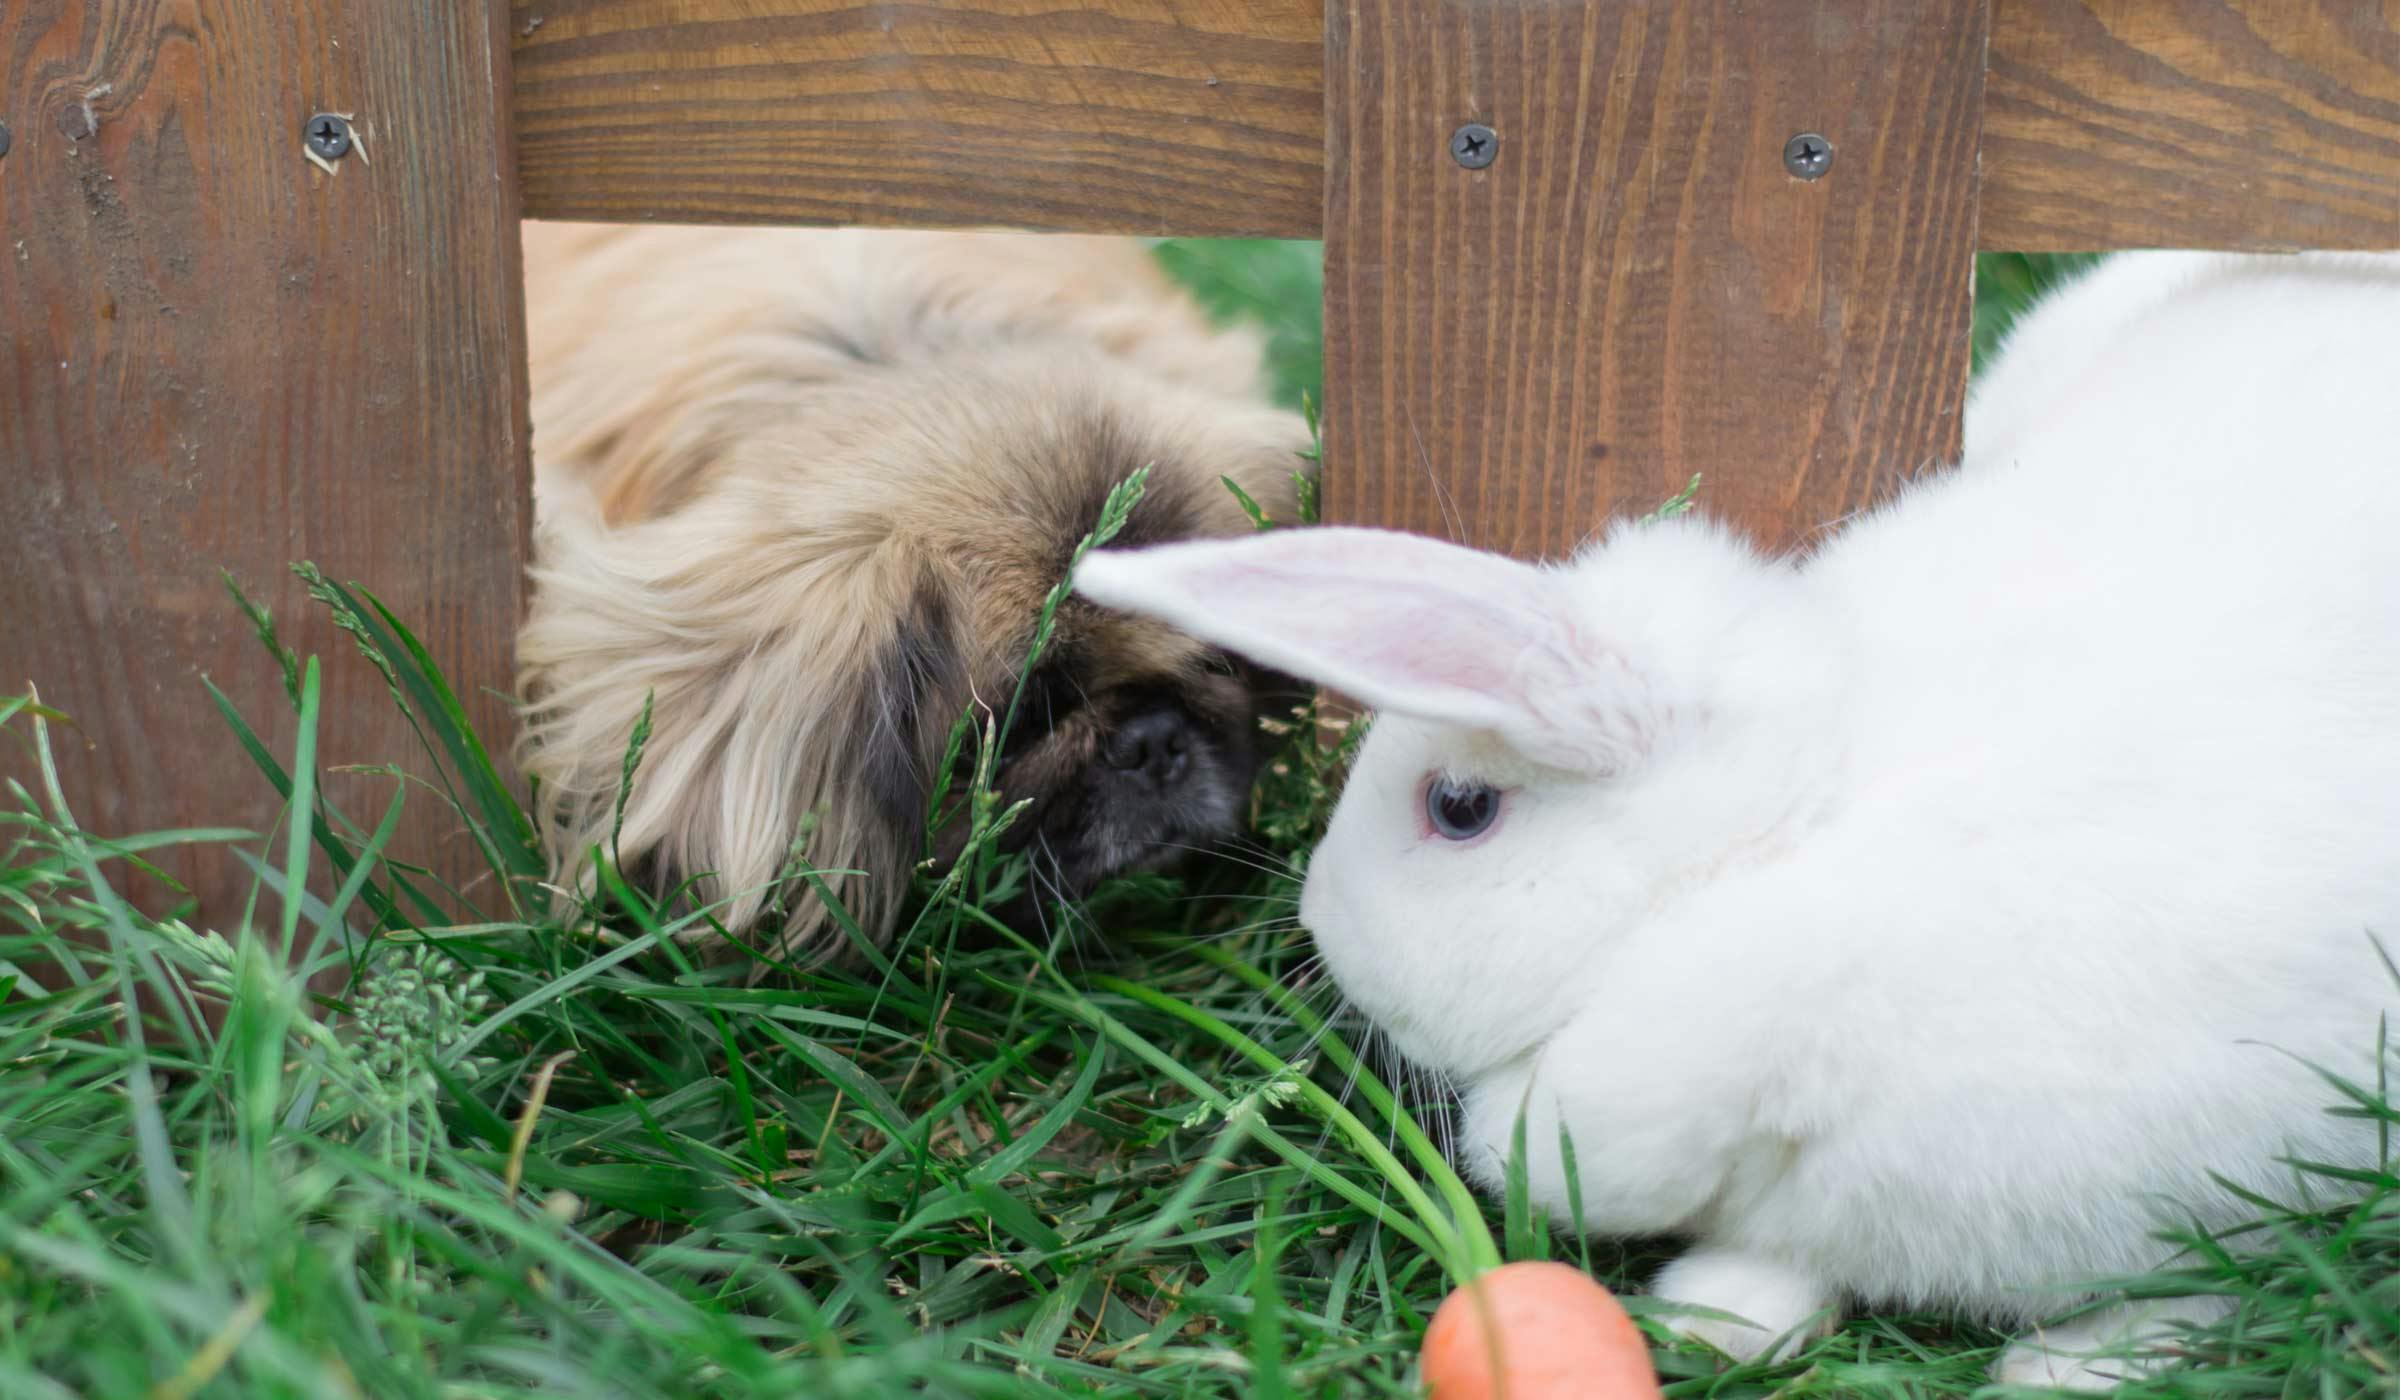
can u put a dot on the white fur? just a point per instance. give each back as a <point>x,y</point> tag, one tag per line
<point>1763,1307</point>
<point>2101,1348</point>
<point>1923,923</point>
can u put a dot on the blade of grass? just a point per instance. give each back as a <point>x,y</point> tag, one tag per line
<point>1464,1246</point>
<point>1455,1194</point>
<point>303,806</point>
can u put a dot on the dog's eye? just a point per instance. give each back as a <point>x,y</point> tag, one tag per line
<point>1460,811</point>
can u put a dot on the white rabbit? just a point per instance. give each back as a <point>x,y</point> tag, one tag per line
<point>1923,922</point>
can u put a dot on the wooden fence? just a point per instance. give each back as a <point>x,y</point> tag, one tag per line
<point>223,352</point>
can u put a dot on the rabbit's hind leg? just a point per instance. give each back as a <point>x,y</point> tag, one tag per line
<point>2106,1347</point>
<point>1778,1307</point>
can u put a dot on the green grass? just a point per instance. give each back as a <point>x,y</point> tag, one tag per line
<point>525,1153</point>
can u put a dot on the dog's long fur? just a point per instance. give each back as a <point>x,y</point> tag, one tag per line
<point>807,491</point>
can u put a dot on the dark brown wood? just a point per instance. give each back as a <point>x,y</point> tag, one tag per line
<point>2184,123</point>
<point>2193,124</point>
<point>1636,289</point>
<point>221,355</point>
<point>1141,116</point>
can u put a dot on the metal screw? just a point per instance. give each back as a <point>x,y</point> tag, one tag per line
<point>329,136</point>
<point>1808,155</point>
<point>1474,146</point>
<point>3,138</point>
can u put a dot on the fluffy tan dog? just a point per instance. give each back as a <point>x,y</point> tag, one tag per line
<point>808,489</point>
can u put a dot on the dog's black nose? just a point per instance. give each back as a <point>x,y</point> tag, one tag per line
<point>1155,743</point>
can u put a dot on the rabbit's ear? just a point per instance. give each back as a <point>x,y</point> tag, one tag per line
<point>1398,622</point>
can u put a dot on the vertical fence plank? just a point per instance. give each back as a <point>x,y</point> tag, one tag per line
<point>221,355</point>
<point>1636,288</point>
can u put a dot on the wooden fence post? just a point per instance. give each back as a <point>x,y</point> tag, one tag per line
<point>1636,287</point>
<point>220,353</point>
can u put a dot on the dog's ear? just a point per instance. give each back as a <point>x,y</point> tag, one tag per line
<point>762,712</point>
<point>906,691</point>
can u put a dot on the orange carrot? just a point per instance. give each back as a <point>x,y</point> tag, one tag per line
<point>1536,1331</point>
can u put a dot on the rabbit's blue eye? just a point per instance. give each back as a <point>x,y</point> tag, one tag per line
<point>1460,811</point>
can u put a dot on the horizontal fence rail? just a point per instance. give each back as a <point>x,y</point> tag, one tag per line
<point>2259,124</point>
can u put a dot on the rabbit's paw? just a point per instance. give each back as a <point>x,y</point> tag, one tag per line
<point>1779,1307</point>
<point>2105,1348</point>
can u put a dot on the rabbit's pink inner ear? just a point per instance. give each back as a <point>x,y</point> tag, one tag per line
<point>1397,622</point>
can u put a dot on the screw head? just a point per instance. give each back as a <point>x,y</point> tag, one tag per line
<point>3,138</point>
<point>1474,146</point>
<point>328,135</point>
<point>1808,155</point>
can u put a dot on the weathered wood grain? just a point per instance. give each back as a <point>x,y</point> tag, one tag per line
<point>1144,116</point>
<point>220,355</point>
<point>1637,289</point>
<point>2185,123</point>
<point>2192,124</point>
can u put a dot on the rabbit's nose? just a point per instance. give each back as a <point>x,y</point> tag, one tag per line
<point>1154,743</point>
